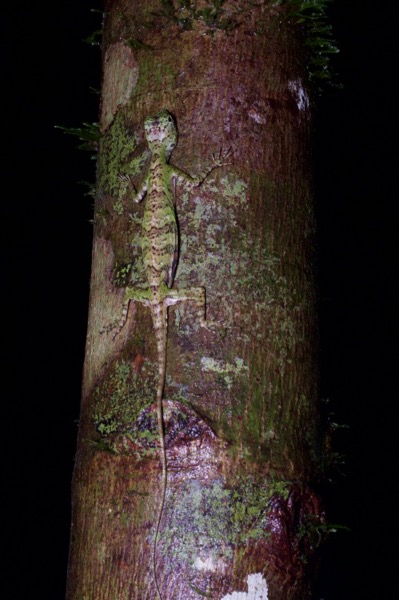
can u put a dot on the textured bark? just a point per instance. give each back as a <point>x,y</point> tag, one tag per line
<point>241,403</point>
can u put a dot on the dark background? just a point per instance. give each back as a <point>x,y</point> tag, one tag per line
<point>45,269</point>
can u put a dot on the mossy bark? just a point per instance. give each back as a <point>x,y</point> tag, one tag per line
<point>241,401</point>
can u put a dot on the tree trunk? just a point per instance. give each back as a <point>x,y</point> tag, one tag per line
<point>240,400</point>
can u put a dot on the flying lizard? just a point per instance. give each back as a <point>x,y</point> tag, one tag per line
<point>160,247</point>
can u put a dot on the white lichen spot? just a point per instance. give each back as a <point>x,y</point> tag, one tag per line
<point>209,563</point>
<point>257,589</point>
<point>299,93</point>
<point>257,116</point>
<point>223,368</point>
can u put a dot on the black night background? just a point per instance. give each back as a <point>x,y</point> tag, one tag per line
<point>47,73</point>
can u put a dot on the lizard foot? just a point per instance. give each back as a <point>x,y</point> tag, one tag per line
<point>221,159</point>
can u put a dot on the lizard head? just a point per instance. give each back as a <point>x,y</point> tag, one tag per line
<point>161,130</point>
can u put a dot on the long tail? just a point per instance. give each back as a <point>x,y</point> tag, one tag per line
<point>160,326</point>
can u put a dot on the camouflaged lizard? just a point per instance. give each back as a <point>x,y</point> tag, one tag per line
<point>160,247</point>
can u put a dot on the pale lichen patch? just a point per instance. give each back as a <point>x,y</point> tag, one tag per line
<point>300,95</point>
<point>121,72</point>
<point>228,371</point>
<point>209,563</point>
<point>257,589</point>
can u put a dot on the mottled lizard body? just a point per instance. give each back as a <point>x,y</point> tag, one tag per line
<point>160,247</point>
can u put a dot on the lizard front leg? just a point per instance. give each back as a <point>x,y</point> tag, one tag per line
<point>190,182</point>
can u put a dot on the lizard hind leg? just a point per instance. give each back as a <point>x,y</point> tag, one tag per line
<point>136,295</point>
<point>195,295</point>
<point>116,326</point>
<point>122,321</point>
